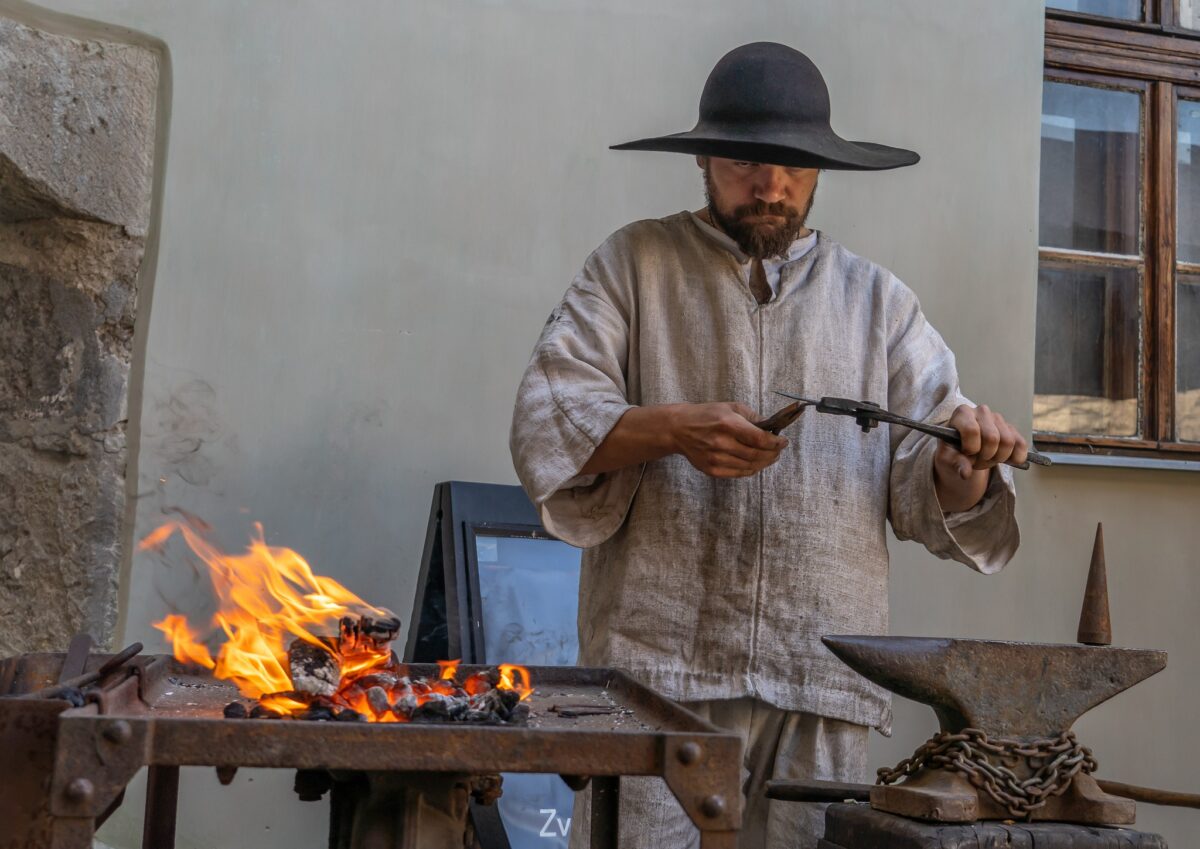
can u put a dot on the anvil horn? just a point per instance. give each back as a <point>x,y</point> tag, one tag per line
<point>1095,626</point>
<point>1007,689</point>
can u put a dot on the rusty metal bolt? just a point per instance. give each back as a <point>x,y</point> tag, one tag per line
<point>689,753</point>
<point>311,784</point>
<point>713,806</point>
<point>118,732</point>
<point>80,790</point>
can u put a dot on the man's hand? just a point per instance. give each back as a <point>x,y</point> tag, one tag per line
<point>721,440</point>
<point>718,439</point>
<point>961,477</point>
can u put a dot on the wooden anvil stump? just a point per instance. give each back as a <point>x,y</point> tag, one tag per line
<point>861,827</point>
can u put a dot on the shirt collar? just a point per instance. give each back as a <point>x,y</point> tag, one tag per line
<point>796,250</point>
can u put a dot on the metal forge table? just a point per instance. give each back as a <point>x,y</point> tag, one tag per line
<point>65,769</point>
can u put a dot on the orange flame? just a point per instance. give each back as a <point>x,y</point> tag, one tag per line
<point>266,596</point>
<point>508,675</point>
<point>187,648</point>
<point>281,704</point>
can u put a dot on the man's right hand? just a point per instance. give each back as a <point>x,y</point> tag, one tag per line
<point>721,439</point>
<point>718,439</point>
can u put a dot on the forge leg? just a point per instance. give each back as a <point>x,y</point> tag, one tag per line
<point>393,810</point>
<point>718,840</point>
<point>606,804</point>
<point>72,833</point>
<point>162,800</point>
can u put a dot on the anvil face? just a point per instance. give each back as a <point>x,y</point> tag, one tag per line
<point>1005,689</point>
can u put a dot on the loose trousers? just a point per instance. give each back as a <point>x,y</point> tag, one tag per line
<point>777,744</point>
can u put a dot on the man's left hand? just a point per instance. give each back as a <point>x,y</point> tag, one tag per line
<point>961,476</point>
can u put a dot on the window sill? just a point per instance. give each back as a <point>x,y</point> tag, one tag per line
<point>1120,461</point>
<point>1069,450</point>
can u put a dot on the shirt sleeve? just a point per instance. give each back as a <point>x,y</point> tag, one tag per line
<point>572,394</point>
<point>923,385</point>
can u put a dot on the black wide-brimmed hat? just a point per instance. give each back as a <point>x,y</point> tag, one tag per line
<point>765,102</point>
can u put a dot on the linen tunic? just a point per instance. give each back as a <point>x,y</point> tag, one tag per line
<point>711,588</point>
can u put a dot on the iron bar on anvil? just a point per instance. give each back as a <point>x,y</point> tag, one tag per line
<point>166,716</point>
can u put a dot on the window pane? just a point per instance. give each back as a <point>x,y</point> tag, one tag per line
<point>1189,14</point>
<point>1187,157</point>
<point>1091,174</point>
<point>1129,10</point>
<point>1187,358</point>
<point>1086,356</point>
<point>530,594</point>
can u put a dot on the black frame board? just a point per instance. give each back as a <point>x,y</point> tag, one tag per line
<point>447,618</point>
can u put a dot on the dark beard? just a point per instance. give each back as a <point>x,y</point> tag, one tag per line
<point>758,240</point>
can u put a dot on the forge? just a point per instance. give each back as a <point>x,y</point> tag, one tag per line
<point>391,785</point>
<point>294,671</point>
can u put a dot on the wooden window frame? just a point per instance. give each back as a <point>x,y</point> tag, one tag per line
<point>1162,59</point>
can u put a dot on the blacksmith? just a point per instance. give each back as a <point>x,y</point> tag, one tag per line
<point>716,553</point>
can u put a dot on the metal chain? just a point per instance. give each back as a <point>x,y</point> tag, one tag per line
<point>988,764</point>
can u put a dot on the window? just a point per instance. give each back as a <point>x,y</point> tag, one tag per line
<point>1117,361</point>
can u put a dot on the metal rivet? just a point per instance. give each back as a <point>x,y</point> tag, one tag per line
<point>713,806</point>
<point>80,790</point>
<point>118,732</point>
<point>689,753</point>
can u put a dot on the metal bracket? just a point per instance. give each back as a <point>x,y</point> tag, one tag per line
<point>95,758</point>
<point>704,774</point>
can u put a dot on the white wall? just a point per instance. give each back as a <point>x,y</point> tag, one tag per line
<point>370,208</point>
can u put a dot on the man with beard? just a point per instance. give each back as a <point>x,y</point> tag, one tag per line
<point>717,554</point>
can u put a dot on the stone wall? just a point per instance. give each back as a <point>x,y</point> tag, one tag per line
<point>77,138</point>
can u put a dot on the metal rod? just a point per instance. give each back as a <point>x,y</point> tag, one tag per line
<point>813,790</point>
<point>162,798</point>
<point>1151,795</point>
<point>950,435</point>
<point>832,791</point>
<point>83,680</point>
<point>606,805</point>
<point>866,414</point>
<point>76,659</point>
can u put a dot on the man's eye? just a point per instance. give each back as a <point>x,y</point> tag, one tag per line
<point>745,164</point>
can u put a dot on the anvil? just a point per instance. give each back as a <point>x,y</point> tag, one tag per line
<point>1021,690</point>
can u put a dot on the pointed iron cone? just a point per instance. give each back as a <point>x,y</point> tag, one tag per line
<point>1095,627</point>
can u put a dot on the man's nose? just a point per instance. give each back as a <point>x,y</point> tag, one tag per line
<point>770,187</point>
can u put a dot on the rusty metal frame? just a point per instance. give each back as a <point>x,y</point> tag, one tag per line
<point>99,747</point>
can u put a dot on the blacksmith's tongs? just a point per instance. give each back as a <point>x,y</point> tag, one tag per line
<point>868,416</point>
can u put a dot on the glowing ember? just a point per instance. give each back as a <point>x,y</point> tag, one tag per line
<point>303,645</point>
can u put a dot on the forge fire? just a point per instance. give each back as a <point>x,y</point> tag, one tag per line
<point>301,646</point>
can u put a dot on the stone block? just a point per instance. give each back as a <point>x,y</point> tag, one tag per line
<point>76,128</point>
<point>77,152</point>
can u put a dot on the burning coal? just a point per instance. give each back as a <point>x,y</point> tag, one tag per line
<point>302,646</point>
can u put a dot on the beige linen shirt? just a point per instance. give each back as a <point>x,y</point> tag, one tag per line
<point>709,588</point>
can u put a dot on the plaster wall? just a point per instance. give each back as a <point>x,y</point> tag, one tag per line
<point>369,209</point>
